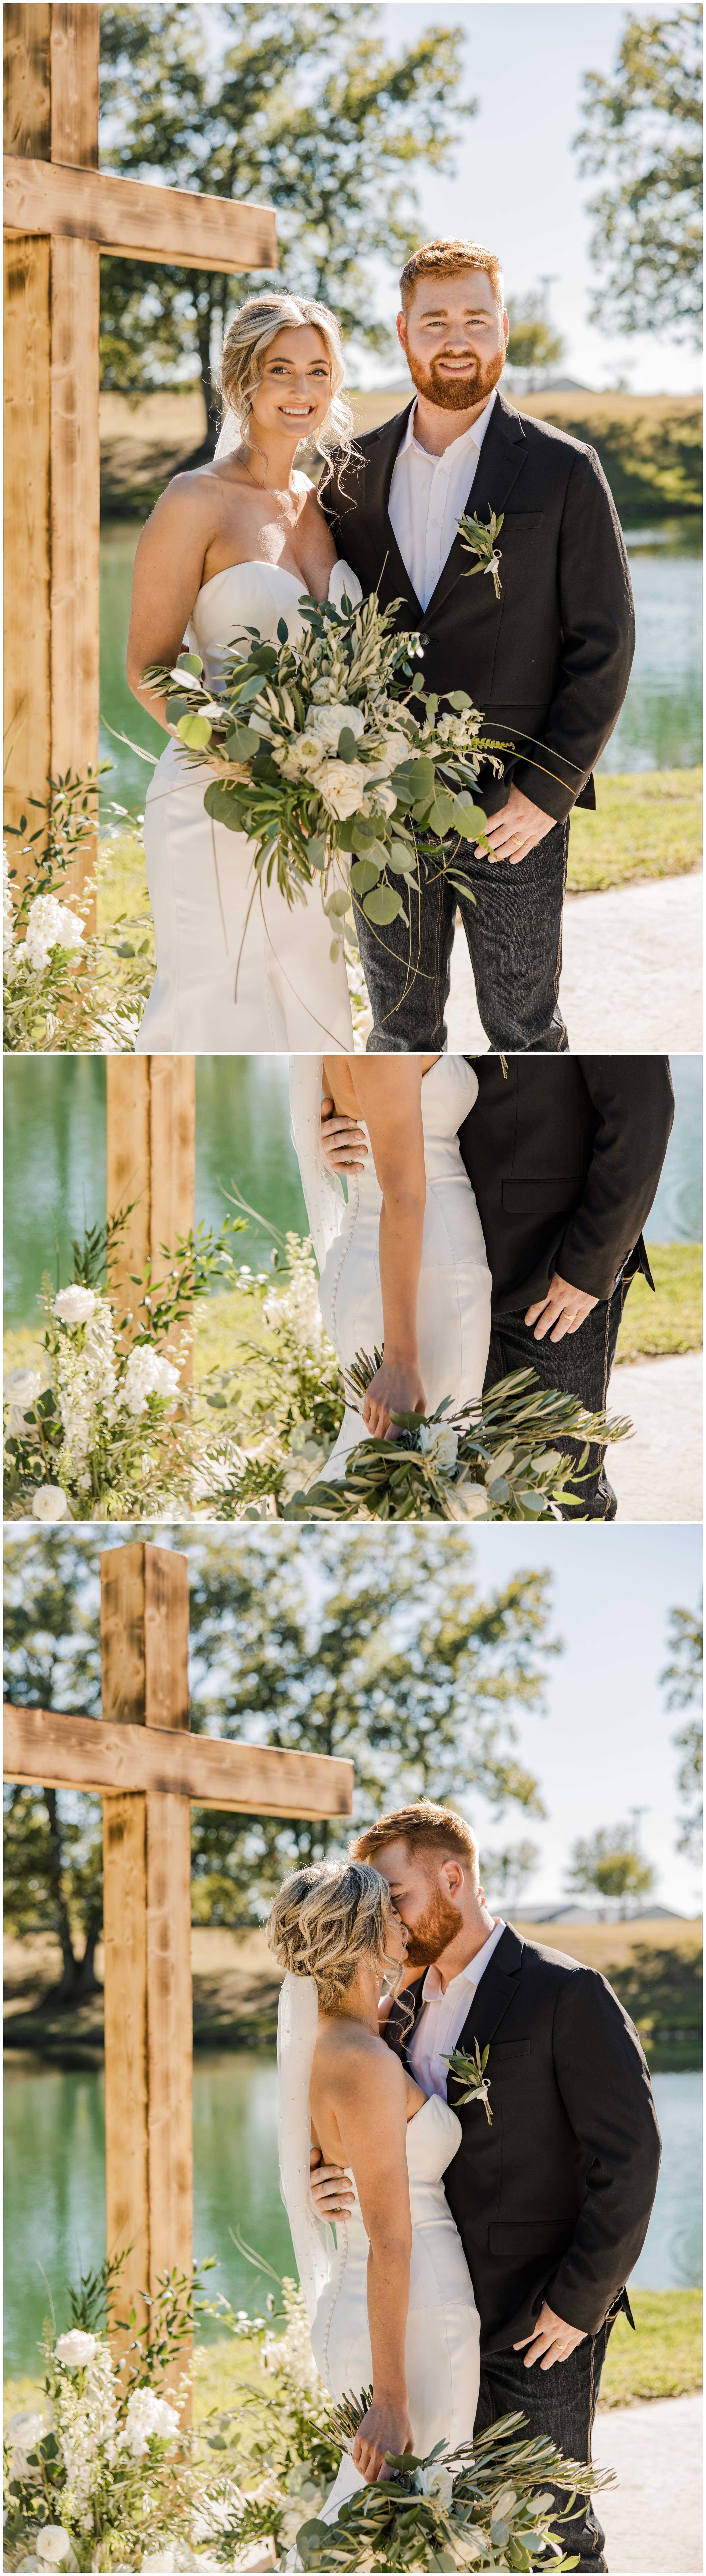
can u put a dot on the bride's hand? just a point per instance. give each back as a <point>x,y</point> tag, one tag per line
<point>395,1388</point>
<point>342,1139</point>
<point>386,2427</point>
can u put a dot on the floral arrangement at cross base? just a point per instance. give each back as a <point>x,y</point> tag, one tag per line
<point>68,989</point>
<point>489,1461</point>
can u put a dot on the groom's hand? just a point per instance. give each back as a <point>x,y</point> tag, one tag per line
<point>517,829</point>
<point>343,1140</point>
<point>562,1311</point>
<point>552,2340</point>
<point>332,2188</point>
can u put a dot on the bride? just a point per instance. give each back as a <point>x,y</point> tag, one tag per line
<point>393,2305</point>
<point>403,1266</point>
<point>235,545</point>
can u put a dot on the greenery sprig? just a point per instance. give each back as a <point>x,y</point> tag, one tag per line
<point>469,2073</point>
<point>480,541</point>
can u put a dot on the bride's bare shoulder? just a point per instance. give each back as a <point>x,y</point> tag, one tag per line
<point>347,2054</point>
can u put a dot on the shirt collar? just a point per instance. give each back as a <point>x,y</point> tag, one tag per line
<point>469,1976</point>
<point>472,437</point>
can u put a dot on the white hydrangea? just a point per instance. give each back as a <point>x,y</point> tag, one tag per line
<point>328,721</point>
<point>49,925</point>
<point>76,2348</point>
<point>85,2420</point>
<point>84,1377</point>
<point>342,785</point>
<point>147,1373</point>
<point>148,2418</point>
<point>76,1304</point>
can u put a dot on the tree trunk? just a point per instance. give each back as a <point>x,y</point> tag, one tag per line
<point>86,1981</point>
<point>204,301</point>
<point>62,1926</point>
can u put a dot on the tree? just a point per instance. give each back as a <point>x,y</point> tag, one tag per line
<point>53,1843</point>
<point>292,1645</point>
<point>532,341</point>
<point>609,1865</point>
<point>643,128</point>
<point>302,108</point>
<point>504,1873</point>
<point>682,1679</point>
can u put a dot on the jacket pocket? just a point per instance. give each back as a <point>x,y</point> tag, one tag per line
<point>517,525</point>
<point>502,2050</point>
<point>541,1197</point>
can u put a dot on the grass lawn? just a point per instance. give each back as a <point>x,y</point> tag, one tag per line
<point>671,1320</point>
<point>649,825</point>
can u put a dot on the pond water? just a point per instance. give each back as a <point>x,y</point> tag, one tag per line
<point>54,2187</point>
<point>660,724</point>
<point>55,1159</point>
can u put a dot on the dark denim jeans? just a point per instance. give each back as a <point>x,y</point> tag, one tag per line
<point>581,1364</point>
<point>562,2403</point>
<point>513,931</point>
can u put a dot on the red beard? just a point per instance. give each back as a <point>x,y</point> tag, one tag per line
<point>457,393</point>
<point>431,1933</point>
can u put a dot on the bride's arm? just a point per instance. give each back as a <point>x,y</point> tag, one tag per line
<point>370,2102</point>
<point>389,1091</point>
<point>167,578</point>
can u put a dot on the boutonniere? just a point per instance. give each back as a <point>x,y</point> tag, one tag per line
<point>470,2073</point>
<point>480,541</point>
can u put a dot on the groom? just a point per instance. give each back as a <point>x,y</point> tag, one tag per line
<point>552,2202</point>
<point>547,662</point>
<point>564,1160</point>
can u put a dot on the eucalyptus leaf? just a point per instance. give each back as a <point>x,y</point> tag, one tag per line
<point>383,904</point>
<point>195,731</point>
<point>189,662</point>
<point>346,744</point>
<point>224,802</point>
<point>364,874</point>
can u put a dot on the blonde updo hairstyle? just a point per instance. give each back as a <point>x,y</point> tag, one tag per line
<point>247,340</point>
<point>327,1922</point>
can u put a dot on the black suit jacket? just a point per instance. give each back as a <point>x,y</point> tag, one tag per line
<point>551,658</point>
<point>564,1153</point>
<point>554,2200</point>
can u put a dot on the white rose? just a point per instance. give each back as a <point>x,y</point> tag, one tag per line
<point>440,1446</point>
<point>147,1373</point>
<point>53,2543</point>
<point>22,1387</point>
<point>75,2348</point>
<point>394,749</point>
<point>28,2428</point>
<point>342,785</point>
<point>74,1305</point>
<point>49,1504</point>
<point>436,2482</point>
<point>327,722</point>
<point>50,925</point>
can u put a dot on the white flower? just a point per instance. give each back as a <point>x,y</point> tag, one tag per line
<point>441,1446</point>
<point>75,2348</point>
<point>74,1305</point>
<point>301,755</point>
<point>436,2482</point>
<point>53,2543</point>
<point>49,1504</point>
<point>328,721</point>
<point>27,2428</point>
<point>50,925</point>
<point>381,798</point>
<point>148,2418</point>
<point>147,1373</point>
<point>22,1386</point>
<point>393,749</point>
<point>342,785</point>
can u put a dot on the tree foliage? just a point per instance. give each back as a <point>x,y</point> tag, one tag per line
<point>609,1865</point>
<point>682,1679</point>
<point>316,1643</point>
<point>643,128</point>
<point>304,109</point>
<point>532,343</point>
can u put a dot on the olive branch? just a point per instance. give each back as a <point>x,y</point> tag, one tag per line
<point>470,2073</point>
<point>480,541</point>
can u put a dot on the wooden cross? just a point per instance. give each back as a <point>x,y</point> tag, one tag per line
<point>60,212</point>
<point>151,1162</point>
<point>149,1771</point>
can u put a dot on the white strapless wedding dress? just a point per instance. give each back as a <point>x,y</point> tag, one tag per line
<point>453,1305</point>
<point>443,2327</point>
<point>200,878</point>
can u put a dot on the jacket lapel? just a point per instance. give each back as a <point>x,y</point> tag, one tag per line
<point>497,1989</point>
<point>501,459</point>
<point>394,580</point>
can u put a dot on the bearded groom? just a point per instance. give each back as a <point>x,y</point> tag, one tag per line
<point>547,661</point>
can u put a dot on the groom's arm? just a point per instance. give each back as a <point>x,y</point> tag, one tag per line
<point>605,2087</point>
<point>598,642</point>
<point>634,1100</point>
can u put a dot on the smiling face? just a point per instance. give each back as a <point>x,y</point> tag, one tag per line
<point>454,337</point>
<point>294,391</point>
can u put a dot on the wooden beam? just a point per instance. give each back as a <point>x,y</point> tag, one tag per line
<point>240,1779</point>
<point>135,219</point>
<point>151,1159</point>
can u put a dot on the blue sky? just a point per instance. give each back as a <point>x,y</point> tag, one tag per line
<point>518,186</point>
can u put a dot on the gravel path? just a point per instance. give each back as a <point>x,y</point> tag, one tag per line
<point>657,1475</point>
<point>652,2518</point>
<point>631,980</point>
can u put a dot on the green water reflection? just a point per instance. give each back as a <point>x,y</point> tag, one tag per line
<point>55,2211</point>
<point>660,725</point>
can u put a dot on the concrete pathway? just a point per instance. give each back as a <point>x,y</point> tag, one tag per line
<point>631,980</point>
<point>652,2517</point>
<point>657,1475</point>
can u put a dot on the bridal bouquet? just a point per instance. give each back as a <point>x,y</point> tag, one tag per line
<point>487,2505</point>
<point>505,1458</point>
<point>327,764</point>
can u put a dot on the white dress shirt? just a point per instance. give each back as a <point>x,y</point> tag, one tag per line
<point>442,2017</point>
<point>427,496</point>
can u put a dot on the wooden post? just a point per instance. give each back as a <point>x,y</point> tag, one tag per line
<point>151,1149</point>
<point>52,442</point>
<point>147,1915</point>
